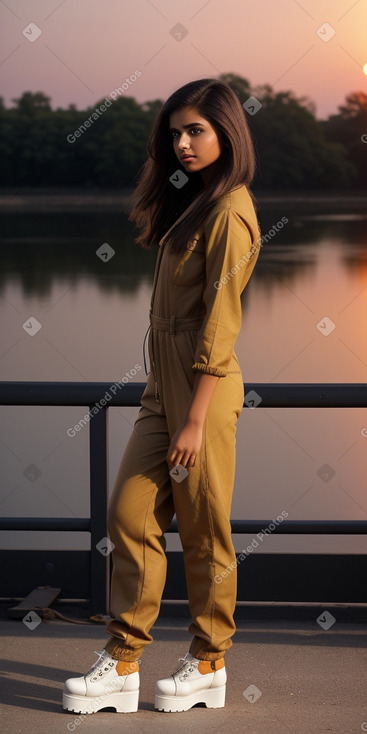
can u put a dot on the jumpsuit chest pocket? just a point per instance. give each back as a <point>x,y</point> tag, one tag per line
<point>188,267</point>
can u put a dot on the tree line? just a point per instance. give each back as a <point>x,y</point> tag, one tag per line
<point>105,145</point>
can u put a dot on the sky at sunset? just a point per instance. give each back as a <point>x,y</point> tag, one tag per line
<point>78,51</point>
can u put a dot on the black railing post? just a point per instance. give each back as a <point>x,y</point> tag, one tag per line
<point>98,461</point>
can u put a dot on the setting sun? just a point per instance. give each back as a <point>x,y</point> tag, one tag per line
<point>365,69</point>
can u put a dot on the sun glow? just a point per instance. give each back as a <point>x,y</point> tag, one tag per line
<point>365,69</point>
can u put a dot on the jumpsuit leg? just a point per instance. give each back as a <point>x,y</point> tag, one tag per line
<point>141,508</point>
<point>203,509</point>
<point>139,512</point>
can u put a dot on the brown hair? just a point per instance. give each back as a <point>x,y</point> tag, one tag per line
<point>157,204</point>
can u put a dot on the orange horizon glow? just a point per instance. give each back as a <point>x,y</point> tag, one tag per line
<point>289,45</point>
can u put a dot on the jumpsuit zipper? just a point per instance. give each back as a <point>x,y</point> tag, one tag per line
<point>156,391</point>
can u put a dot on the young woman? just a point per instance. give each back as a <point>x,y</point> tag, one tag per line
<point>193,201</point>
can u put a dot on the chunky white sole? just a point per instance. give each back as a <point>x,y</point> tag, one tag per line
<point>214,698</point>
<point>123,702</point>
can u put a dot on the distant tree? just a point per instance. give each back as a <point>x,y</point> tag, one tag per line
<point>125,129</point>
<point>239,85</point>
<point>349,127</point>
<point>152,108</point>
<point>40,146</point>
<point>30,103</point>
<point>34,150</point>
<point>291,149</point>
<point>355,107</point>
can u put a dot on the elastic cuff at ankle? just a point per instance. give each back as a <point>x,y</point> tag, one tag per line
<point>119,652</point>
<point>204,654</point>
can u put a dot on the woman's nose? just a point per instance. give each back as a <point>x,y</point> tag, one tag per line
<point>184,141</point>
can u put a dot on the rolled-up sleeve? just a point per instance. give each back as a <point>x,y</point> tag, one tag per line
<point>231,253</point>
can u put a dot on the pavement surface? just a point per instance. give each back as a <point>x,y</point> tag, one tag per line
<point>285,676</point>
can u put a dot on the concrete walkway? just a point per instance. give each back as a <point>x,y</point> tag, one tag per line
<point>284,677</point>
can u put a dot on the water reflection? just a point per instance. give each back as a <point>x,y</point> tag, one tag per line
<point>38,249</point>
<point>94,315</point>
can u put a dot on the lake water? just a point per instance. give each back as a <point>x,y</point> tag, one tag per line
<point>94,315</point>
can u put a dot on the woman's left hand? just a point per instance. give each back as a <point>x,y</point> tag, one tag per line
<point>185,444</point>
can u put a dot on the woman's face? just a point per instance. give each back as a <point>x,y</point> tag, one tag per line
<point>194,136</point>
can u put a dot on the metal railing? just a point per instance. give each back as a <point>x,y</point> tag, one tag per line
<point>273,395</point>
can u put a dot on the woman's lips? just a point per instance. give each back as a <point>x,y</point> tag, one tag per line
<point>188,158</point>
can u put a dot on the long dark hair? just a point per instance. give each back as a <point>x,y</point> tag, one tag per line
<point>156,202</point>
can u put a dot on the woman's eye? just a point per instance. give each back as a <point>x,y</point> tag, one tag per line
<point>193,130</point>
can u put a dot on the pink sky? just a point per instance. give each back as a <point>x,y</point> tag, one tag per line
<point>86,48</point>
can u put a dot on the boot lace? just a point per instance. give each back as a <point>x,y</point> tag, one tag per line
<point>186,667</point>
<point>102,666</point>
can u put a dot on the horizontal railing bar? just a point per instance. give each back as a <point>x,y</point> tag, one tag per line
<point>301,527</point>
<point>82,524</point>
<point>273,395</point>
<point>104,394</point>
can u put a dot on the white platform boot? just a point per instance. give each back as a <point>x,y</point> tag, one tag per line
<point>195,681</point>
<point>109,682</point>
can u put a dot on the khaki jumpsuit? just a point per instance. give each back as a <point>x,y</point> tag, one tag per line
<point>195,318</point>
